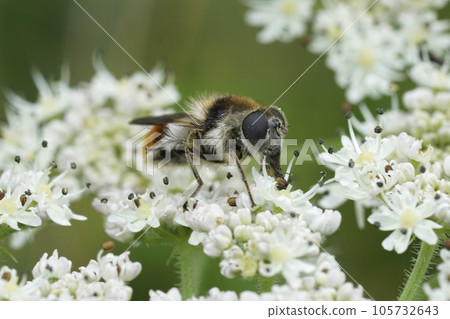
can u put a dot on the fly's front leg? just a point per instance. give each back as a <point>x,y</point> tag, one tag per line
<point>244,178</point>
<point>189,158</point>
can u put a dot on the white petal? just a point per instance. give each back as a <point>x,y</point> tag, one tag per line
<point>137,226</point>
<point>397,241</point>
<point>196,238</point>
<point>447,166</point>
<point>293,269</point>
<point>58,215</point>
<point>12,222</point>
<point>78,217</point>
<point>30,219</point>
<point>388,221</point>
<point>427,209</point>
<point>424,230</point>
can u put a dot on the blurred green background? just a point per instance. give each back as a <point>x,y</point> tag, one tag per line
<point>209,48</point>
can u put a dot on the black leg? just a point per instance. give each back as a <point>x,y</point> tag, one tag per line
<point>244,178</point>
<point>189,155</point>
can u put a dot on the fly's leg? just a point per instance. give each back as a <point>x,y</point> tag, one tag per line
<point>244,178</point>
<point>189,156</point>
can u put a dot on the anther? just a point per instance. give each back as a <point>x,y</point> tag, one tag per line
<point>73,165</point>
<point>331,150</point>
<point>380,111</point>
<point>380,184</point>
<point>88,185</point>
<point>351,163</point>
<point>321,141</point>
<point>229,175</point>
<point>108,245</point>
<point>131,196</point>
<point>323,173</point>
<point>346,106</point>
<point>166,180</point>
<point>44,143</point>
<point>17,159</point>
<point>422,169</point>
<point>437,196</point>
<point>377,224</point>
<point>64,191</point>
<point>137,202</point>
<point>23,199</point>
<point>404,231</point>
<point>348,115</point>
<point>104,200</point>
<point>296,153</point>
<point>232,201</point>
<point>447,244</point>
<point>388,168</point>
<point>152,195</point>
<point>378,129</point>
<point>28,192</point>
<point>6,276</point>
<point>53,165</point>
<point>2,195</point>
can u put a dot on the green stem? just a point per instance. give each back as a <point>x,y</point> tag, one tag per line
<point>417,275</point>
<point>191,263</point>
<point>186,271</point>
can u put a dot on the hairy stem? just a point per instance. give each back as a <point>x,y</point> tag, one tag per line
<point>417,275</point>
<point>190,264</point>
<point>186,271</point>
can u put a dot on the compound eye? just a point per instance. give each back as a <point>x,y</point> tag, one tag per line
<point>255,127</point>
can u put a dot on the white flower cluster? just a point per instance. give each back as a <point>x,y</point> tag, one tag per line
<point>280,236</point>
<point>29,196</point>
<point>368,43</point>
<point>442,292</point>
<point>102,279</point>
<point>87,123</point>
<point>325,282</point>
<point>426,114</point>
<point>403,178</point>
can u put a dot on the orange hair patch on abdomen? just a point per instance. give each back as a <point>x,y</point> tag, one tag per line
<point>157,131</point>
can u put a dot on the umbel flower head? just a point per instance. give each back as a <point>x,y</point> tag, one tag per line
<point>368,44</point>
<point>406,216</point>
<point>395,177</point>
<point>102,279</point>
<point>87,123</point>
<point>325,281</point>
<point>281,235</point>
<point>365,170</point>
<point>282,20</point>
<point>30,195</point>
